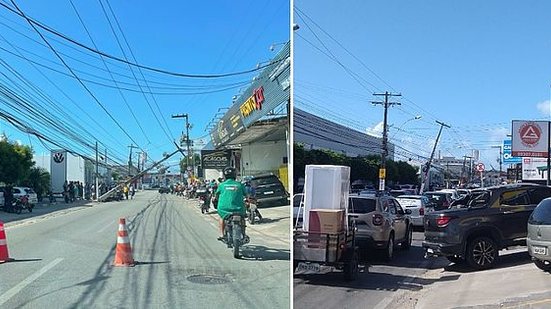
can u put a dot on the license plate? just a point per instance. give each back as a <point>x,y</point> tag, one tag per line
<point>539,250</point>
<point>201,202</point>
<point>312,267</point>
<point>268,192</point>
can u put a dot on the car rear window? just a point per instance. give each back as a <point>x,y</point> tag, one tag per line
<point>29,191</point>
<point>542,214</point>
<point>361,205</point>
<point>410,202</point>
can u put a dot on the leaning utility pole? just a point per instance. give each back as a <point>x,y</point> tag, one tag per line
<point>130,158</point>
<point>386,104</point>
<point>189,154</point>
<point>426,172</point>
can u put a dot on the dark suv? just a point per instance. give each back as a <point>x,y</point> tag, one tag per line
<point>486,221</point>
<point>269,190</point>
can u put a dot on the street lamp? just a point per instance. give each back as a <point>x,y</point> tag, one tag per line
<point>403,124</point>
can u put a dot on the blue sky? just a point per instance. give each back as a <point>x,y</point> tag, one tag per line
<point>475,65</point>
<point>198,37</point>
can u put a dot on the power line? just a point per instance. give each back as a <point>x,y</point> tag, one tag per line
<point>34,23</point>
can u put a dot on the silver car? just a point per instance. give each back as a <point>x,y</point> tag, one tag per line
<point>539,235</point>
<point>418,204</point>
<point>380,222</point>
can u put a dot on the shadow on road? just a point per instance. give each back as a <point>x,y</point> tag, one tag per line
<point>412,258</point>
<point>504,261</point>
<point>262,253</point>
<point>269,220</point>
<point>24,260</point>
<point>138,263</point>
<point>372,281</point>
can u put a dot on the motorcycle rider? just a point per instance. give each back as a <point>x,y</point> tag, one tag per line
<point>251,194</point>
<point>229,195</point>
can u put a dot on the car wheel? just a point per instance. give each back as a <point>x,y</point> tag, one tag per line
<point>542,265</point>
<point>389,250</point>
<point>481,253</point>
<point>406,244</point>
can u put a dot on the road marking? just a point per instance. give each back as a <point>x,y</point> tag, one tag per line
<point>387,300</point>
<point>530,303</point>
<point>16,289</point>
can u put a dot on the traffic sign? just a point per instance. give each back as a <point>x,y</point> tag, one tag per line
<point>480,167</point>
<point>382,173</point>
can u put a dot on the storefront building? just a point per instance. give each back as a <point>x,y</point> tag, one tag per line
<point>253,135</point>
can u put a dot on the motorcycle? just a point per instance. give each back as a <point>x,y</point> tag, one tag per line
<point>234,232</point>
<point>252,211</point>
<point>20,203</point>
<point>204,202</point>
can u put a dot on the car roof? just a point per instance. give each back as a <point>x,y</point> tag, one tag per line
<point>409,196</point>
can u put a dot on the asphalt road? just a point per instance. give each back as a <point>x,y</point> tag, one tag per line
<point>63,259</point>
<point>410,281</point>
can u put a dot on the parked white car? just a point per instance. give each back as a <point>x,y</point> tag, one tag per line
<point>22,191</point>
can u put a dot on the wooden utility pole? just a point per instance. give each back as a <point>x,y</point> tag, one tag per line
<point>385,104</point>
<point>188,142</point>
<point>427,170</point>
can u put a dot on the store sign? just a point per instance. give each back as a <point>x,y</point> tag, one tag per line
<point>534,169</point>
<point>507,155</point>
<point>215,159</point>
<point>530,138</point>
<point>58,170</point>
<point>253,103</point>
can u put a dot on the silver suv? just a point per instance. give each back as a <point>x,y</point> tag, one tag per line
<point>539,235</point>
<point>381,223</point>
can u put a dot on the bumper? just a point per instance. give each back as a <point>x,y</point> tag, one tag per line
<point>440,249</point>
<point>417,221</point>
<point>271,199</point>
<point>368,242</point>
<point>541,244</point>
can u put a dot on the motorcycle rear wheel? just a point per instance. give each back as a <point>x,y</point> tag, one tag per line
<point>236,239</point>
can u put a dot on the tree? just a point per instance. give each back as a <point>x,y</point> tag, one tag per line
<point>15,162</point>
<point>184,162</point>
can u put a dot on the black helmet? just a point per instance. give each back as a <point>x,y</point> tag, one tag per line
<point>229,173</point>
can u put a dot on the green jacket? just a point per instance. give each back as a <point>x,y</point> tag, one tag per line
<point>231,194</point>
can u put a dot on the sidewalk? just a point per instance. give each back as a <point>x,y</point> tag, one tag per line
<point>41,210</point>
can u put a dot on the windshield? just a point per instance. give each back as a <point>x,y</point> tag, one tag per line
<point>264,181</point>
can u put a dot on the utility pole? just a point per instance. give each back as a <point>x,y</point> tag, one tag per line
<point>426,173</point>
<point>130,158</point>
<point>385,104</point>
<point>500,156</point>
<point>188,144</point>
<point>463,168</point>
<point>97,172</point>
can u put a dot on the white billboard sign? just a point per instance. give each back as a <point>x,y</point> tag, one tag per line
<point>534,168</point>
<point>58,170</point>
<point>530,138</point>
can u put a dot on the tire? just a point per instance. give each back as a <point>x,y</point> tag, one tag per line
<point>406,244</point>
<point>481,253</point>
<point>18,209</point>
<point>456,259</point>
<point>541,265</point>
<point>351,267</point>
<point>389,249</point>
<point>251,218</point>
<point>236,240</point>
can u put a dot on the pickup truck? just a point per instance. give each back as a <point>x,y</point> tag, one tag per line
<point>486,221</point>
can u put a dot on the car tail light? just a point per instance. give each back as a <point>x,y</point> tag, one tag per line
<point>421,211</point>
<point>377,219</point>
<point>443,221</point>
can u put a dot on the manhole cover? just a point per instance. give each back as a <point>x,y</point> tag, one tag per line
<point>207,279</point>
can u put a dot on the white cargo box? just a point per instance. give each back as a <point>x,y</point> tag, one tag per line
<point>325,187</point>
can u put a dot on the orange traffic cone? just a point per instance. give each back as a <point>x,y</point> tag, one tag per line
<point>4,256</point>
<point>123,255</point>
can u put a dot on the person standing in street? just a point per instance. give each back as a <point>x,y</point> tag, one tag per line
<point>132,191</point>
<point>125,191</point>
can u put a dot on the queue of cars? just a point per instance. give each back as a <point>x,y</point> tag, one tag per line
<point>465,227</point>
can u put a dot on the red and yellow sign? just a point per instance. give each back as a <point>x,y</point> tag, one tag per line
<point>254,102</point>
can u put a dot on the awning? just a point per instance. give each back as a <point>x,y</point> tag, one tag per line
<point>262,131</point>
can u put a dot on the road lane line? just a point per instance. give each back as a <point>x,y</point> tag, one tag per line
<point>16,289</point>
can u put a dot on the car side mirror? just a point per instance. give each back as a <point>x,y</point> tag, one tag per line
<point>408,211</point>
